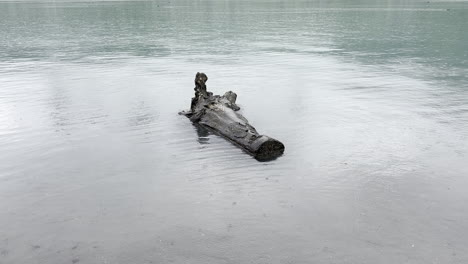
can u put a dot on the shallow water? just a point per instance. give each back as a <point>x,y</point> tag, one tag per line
<point>370,99</point>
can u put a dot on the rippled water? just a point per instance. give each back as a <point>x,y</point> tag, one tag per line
<point>370,99</point>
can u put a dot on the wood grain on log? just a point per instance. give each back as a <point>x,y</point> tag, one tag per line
<point>219,114</point>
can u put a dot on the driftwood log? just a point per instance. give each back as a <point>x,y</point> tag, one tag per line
<point>219,114</point>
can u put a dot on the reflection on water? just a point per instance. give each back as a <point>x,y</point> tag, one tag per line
<point>369,97</point>
<point>203,134</point>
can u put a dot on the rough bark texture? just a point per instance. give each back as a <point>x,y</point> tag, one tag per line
<point>219,113</point>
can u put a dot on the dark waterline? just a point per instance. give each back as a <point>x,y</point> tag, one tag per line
<point>370,99</point>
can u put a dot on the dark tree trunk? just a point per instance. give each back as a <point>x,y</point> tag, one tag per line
<point>219,113</point>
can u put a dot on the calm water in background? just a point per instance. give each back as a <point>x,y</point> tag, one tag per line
<point>370,99</point>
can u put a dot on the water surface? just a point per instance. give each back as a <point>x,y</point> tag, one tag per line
<point>370,99</point>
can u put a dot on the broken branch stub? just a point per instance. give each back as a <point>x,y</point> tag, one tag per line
<point>219,113</point>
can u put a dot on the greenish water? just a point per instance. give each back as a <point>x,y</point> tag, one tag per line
<point>370,99</point>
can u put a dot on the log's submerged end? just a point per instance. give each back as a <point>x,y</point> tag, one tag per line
<point>219,113</point>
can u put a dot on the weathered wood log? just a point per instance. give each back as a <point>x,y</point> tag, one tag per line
<point>219,113</point>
